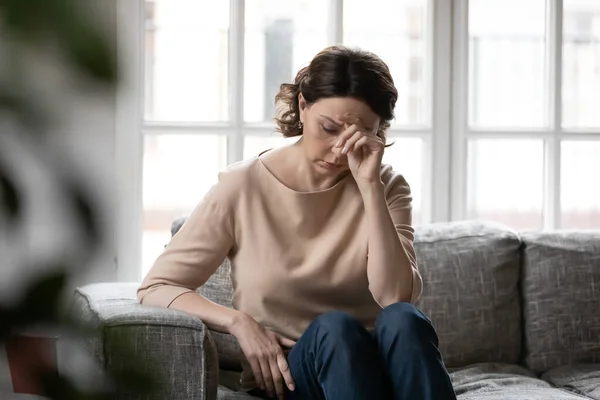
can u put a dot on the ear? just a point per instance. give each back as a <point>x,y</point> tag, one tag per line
<point>301,106</point>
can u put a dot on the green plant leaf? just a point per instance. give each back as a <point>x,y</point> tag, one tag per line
<point>41,302</point>
<point>82,206</point>
<point>22,105</point>
<point>10,200</point>
<point>88,50</point>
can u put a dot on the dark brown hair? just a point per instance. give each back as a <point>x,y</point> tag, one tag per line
<point>338,71</point>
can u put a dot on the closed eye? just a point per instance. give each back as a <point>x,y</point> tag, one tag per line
<point>328,130</point>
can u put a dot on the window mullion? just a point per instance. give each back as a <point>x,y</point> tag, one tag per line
<point>552,156</point>
<point>438,166</point>
<point>335,33</point>
<point>129,144</point>
<point>459,114</point>
<point>235,139</point>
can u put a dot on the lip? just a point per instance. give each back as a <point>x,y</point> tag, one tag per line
<point>330,166</point>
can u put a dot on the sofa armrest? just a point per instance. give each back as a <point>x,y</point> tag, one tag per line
<point>177,345</point>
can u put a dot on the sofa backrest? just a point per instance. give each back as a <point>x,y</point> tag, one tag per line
<point>561,298</point>
<point>471,293</point>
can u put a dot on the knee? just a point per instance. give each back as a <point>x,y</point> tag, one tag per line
<point>404,318</point>
<point>337,325</point>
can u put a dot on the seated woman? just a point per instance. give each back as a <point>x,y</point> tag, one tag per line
<point>320,240</point>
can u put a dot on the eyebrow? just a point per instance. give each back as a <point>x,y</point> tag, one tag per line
<point>336,123</point>
<point>331,120</point>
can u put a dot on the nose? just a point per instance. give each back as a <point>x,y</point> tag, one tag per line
<point>337,152</point>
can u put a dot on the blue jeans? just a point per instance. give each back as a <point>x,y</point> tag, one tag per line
<point>337,358</point>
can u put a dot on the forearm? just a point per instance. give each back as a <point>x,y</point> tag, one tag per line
<point>215,316</point>
<point>390,264</point>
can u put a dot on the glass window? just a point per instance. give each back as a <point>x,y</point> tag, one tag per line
<point>186,60</point>
<point>506,181</point>
<point>395,30</point>
<point>406,156</point>
<point>178,171</point>
<point>581,64</point>
<point>507,63</point>
<point>281,37</point>
<point>580,185</point>
<point>254,145</point>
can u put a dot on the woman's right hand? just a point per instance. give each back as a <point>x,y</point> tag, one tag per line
<point>263,350</point>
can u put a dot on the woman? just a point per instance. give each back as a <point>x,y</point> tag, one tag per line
<point>320,238</point>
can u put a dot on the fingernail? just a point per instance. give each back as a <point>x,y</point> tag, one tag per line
<point>291,387</point>
<point>344,150</point>
<point>338,144</point>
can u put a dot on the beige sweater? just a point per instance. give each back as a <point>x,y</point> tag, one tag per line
<point>294,255</point>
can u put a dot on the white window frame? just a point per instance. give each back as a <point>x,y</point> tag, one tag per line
<point>552,136</point>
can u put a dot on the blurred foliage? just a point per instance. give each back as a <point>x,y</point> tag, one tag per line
<point>30,25</point>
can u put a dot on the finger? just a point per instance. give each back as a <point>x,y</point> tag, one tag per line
<point>349,145</point>
<point>286,342</point>
<point>285,372</point>
<point>278,381</point>
<point>347,134</point>
<point>267,376</point>
<point>257,371</point>
<point>352,120</point>
<point>367,142</point>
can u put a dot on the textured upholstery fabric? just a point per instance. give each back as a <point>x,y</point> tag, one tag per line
<point>582,379</point>
<point>228,394</point>
<point>470,272</point>
<point>174,344</point>
<point>504,382</point>
<point>561,294</point>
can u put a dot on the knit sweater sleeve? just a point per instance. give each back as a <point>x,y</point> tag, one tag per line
<point>196,250</point>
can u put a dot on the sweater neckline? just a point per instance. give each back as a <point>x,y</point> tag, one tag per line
<point>280,183</point>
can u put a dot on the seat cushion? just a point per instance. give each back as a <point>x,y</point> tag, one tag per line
<point>224,393</point>
<point>471,273</point>
<point>561,298</point>
<point>492,381</point>
<point>582,379</point>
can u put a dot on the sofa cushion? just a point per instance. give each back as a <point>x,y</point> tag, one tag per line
<point>493,381</point>
<point>471,273</point>
<point>582,379</point>
<point>561,295</point>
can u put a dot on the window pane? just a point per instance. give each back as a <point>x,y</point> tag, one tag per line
<point>281,37</point>
<point>507,73</point>
<point>254,145</point>
<point>505,181</point>
<point>178,171</point>
<point>186,60</point>
<point>395,30</point>
<point>406,156</point>
<point>580,185</point>
<point>581,64</point>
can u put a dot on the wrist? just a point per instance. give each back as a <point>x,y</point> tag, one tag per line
<point>237,320</point>
<point>370,187</point>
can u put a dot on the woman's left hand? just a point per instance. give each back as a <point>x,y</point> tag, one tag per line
<point>364,150</point>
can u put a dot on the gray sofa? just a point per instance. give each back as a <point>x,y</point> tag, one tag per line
<point>518,317</point>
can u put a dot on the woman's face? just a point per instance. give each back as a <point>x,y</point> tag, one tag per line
<point>322,127</point>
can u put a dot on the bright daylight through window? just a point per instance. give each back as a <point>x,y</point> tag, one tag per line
<point>523,142</point>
